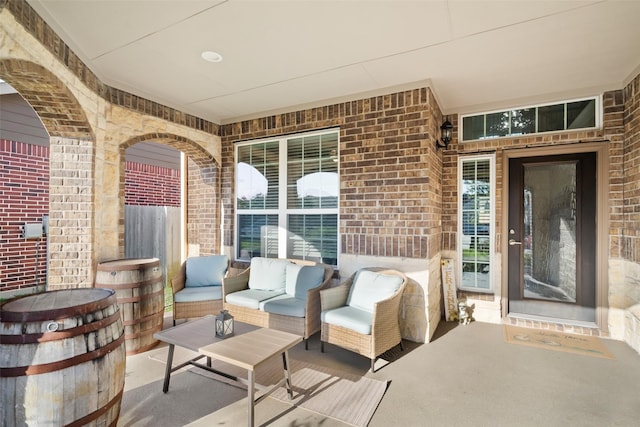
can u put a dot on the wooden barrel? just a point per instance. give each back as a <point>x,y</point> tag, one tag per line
<point>139,287</point>
<point>62,359</point>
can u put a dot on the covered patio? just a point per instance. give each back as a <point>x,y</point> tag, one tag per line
<point>434,136</point>
<point>450,381</point>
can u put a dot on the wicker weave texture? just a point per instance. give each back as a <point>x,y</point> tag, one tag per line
<point>188,310</point>
<point>385,330</point>
<point>304,326</point>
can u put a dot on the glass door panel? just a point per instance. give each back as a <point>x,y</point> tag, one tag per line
<point>551,237</point>
<point>549,243</point>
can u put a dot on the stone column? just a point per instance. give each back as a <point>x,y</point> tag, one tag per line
<point>71,201</point>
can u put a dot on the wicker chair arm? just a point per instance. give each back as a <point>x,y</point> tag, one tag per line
<point>335,297</point>
<point>313,295</point>
<point>236,283</point>
<point>178,281</point>
<point>385,312</point>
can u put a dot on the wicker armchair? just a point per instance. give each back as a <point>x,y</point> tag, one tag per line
<point>203,298</point>
<point>361,314</point>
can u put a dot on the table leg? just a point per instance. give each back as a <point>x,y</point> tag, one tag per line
<point>251,397</point>
<point>287,374</point>
<point>167,372</point>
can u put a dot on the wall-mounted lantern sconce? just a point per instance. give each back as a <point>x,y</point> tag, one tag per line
<point>446,131</point>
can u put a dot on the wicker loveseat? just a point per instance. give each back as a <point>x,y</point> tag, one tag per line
<point>197,287</point>
<point>361,314</point>
<point>281,294</point>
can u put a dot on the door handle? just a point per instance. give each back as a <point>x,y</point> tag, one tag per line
<point>513,242</point>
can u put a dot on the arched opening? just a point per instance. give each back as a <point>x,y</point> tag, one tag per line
<point>81,208</point>
<point>59,131</point>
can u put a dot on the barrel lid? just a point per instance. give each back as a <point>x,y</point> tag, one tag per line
<point>128,264</point>
<point>58,304</point>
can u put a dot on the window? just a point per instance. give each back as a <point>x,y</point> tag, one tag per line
<point>580,114</point>
<point>476,219</point>
<point>287,192</point>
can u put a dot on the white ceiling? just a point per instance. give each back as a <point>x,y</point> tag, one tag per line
<point>283,55</point>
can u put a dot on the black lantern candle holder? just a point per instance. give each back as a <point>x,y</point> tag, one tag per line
<point>224,325</point>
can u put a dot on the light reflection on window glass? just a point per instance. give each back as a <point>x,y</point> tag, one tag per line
<point>476,219</point>
<point>523,121</point>
<point>497,124</point>
<point>545,118</point>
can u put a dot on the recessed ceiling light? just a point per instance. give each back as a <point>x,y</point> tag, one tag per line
<point>211,56</point>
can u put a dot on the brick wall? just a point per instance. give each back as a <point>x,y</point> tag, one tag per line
<point>64,121</point>
<point>631,209</point>
<point>389,197</point>
<point>203,209</point>
<point>147,185</point>
<point>612,131</point>
<point>24,198</point>
<point>630,241</point>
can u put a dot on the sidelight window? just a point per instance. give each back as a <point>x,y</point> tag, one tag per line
<point>476,221</point>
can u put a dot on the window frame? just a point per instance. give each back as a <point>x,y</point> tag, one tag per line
<point>492,219</point>
<point>283,211</point>
<point>484,114</point>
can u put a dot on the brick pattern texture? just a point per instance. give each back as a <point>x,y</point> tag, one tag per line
<point>631,208</point>
<point>24,190</point>
<point>389,170</point>
<point>47,97</point>
<point>612,131</point>
<point>631,180</point>
<point>24,186</point>
<point>147,185</point>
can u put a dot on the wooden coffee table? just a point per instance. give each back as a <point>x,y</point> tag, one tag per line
<point>249,351</point>
<point>192,335</point>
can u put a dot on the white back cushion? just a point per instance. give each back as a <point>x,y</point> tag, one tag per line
<point>268,273</point>
<point>370,287</point>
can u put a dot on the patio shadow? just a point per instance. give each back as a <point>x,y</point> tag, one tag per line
<point>189,398</point>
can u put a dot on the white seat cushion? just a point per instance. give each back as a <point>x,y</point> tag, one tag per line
<point>251,298</point>
<point>349,317</point>
<point>199,293</point>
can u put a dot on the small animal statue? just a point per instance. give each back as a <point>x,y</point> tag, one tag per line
<point>465,312</point>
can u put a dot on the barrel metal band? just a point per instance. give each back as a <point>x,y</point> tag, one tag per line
<point>59,335</point>
<point>133,285</point>
<point>143,319</point>
<point>140,298</point>
<point>107,266</point>
<point>44,368</point>
<point>149,331</point>
<point>95,414</point>
<point>59,313</point>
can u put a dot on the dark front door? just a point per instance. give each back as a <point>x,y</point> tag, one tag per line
<point>552,236</point>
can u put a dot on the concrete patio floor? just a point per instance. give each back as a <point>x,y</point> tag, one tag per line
<point>467,376</point>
